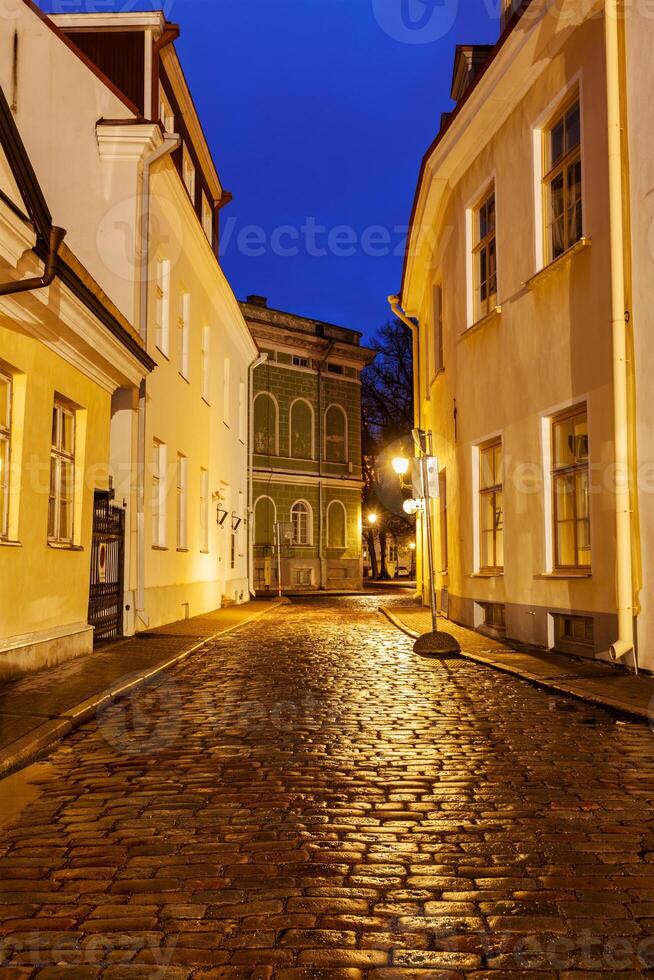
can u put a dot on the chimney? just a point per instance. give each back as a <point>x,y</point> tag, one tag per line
<point>469,61</point>
<point>261,301</point>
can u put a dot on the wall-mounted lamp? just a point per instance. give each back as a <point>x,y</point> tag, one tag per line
<point>236,521</point>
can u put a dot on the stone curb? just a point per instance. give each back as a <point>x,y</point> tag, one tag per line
<point>549,684</point>
<point>29,747</point>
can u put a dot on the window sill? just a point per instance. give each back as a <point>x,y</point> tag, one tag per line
<point>64,546</point>
<point>162,352</point>
<point>203,551</point>
<point>565,574</point>
<point>183,551</point>
<point>159,547</point>
<point>494,314</point>
<point>6,543</point>
<point>490,573</point>
<point>206,401</point>
<point>558,263</point>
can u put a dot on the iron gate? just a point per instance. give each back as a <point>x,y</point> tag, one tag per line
<point>107,562</point>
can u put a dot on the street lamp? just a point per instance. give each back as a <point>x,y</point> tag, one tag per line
<point>401,465</point>
<point>372,517</point>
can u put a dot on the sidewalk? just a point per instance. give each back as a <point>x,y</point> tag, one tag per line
<point>589,680</point>
<point>40,709</point>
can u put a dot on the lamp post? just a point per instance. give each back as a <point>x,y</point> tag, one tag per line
<point>434,642</point>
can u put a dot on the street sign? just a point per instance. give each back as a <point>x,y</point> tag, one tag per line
<point>432,477</point>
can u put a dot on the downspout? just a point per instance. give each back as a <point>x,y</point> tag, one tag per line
<point>321,422</point>
<point>57,236</point>
<point>624,644</point>
<point>261,359</point>
<point>169,145</point>
<point>394,303</point>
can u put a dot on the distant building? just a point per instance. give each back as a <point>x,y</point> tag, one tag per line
<point>306,429</point>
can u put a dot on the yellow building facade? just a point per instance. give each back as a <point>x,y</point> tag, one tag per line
<point>517,277</point>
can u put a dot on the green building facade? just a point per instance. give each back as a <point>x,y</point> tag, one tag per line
<point>306,451</point>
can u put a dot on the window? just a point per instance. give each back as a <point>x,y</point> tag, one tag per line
<point>300,361</point>
<point>301,521</point>
<point>335,435</point>
<point>206,362</point>
<point>264,522</point>
<point>335,368</point>
<point>162,306</point>
<point>188,172</point>
<point>301,435</point>
<point>491,519</point>
<point>573,631</point>
<point>570,485</point>
<point>336,525</point>
<point>562,182</point>
<point>241,411</point>
<point>166,114</point>
<point>207,218</point>
<point>158,494</point>
<point>6,386</point>
<point>442,485</point>
<point>439,360</point>
<point>485,258</point>
<point>494,616</point>
<point>204,510</point>
<point>183,329</point>
<point>62,474</point>
<point>303,577</point>
<point>241,535</point>
<point>265,425</point>
<point>227,396</point>
<point>182,502</point>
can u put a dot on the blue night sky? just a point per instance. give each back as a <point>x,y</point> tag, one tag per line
<point>318,113</point>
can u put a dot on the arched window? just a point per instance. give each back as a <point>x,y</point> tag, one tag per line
<point>335,435</point>
<point>302,521</point>
<point>264,520</point>
<point>301,430</point>
<point>336,525</point>
<point>265,425</point>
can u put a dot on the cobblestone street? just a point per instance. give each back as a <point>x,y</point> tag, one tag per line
<point>307,798</point>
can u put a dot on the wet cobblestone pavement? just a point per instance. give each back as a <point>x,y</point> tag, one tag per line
<point>306,798</point>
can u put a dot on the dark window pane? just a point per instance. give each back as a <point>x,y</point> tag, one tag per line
<point>557,143</point>
<point>573,127</point>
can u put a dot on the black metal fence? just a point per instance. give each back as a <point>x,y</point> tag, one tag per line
<point>107,564</point>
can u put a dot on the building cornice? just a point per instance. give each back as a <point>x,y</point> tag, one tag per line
<point>127,141</point>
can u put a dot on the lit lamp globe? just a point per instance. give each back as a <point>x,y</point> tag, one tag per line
<point>410,507</point>
<point>372,518</point>
<point>401,465</point>
<point>412,546</point>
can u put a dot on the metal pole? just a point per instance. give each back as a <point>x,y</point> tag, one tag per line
<point>430,550</point>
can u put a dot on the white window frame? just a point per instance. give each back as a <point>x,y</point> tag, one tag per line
<point>182,502</point>
<point>227,391</point>
<point>241,410</point>
<point>337,503</point>
<point>539,131</point>
<point>484,492</point>
<point>5,443</point>
<point>308,543</point>
<point>204,511</point>
<point>482,191</point>
<point>206,363</point>
<point>162,305</point>
<point>159,463</point>
<point>437,340</point>
<point>207,218</point>
<point>183,332</point>
<point>474,483</point>
<point>313,429</point>
<point>188,172</point>
<point>58,456</point>
<point>166,114</point>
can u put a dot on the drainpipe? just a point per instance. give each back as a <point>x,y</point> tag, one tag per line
<point>321,553</point>
<point>57,236</point>
<point>261,359</point>
<point>394,303</point>
<point>624,645</point>
<point>169,145</point>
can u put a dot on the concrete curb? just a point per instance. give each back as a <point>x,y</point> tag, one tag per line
<point>549,684</point>
<point>31,746</point>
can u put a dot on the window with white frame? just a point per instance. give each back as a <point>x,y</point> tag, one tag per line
<point>437,340</point>
<point>188,172</point>
<point>204,510</point>
<point>484,256</point>
<point>570,485</point>
<point>166,114</point>
<point>300,361</point>
<point>206,361</point>
<point>562,188</point>
<point>491,506</point>
<point>301,521</point>
<point>162,306</point>
<point>6,392</point>
<point>227,392</point>
<point>62,474</point>
<point>183,331</point>
<point>207,218</point>
<point>336,525</point>
<point>158,494</point>
<point>241,411</point>
<point>182,502</point>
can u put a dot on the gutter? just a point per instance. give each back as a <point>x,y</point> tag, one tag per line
<point>394,303</point>
<point>57,236</point>
<point>169,145</point>
<point>624,644</point>
<point>261,359</point>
